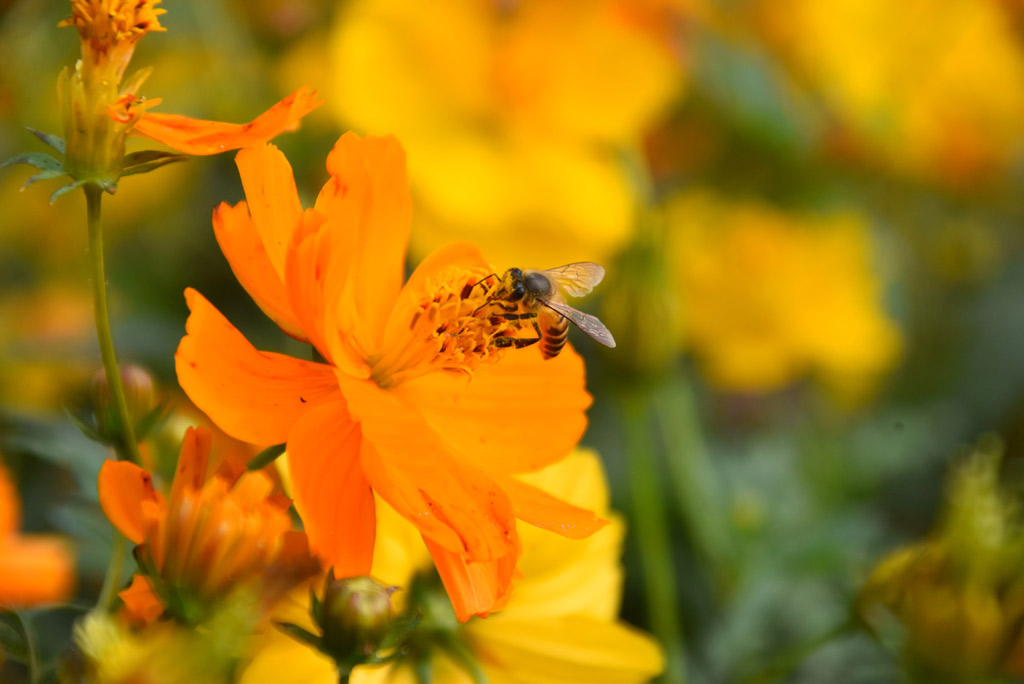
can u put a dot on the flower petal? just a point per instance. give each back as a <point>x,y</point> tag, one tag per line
<point>571,648</point>
<point>272,198</point>
<point>539,508</point>
<point>141,604</point>
<point>409,465</point>
<point>35,569</point>
<point>475,588</point>
<point>10,505</point>
<point>243,247</point>
<point>517,416</point>
<point>331,494</point>
<point>124,490</point>
<point>196,136</point>
<point>252,395</point>
<point>369,190</point>
<point>192,463</point>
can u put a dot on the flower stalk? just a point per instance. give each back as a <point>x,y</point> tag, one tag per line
<point>127,448</point>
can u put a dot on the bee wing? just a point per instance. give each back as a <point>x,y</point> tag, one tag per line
<point>591,325</point>
<point>576,280</point>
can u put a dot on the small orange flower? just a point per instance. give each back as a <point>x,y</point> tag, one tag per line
<point>99,111</point>
<point>208,537</point>
<point>412,401</point>
<point>33,568</point>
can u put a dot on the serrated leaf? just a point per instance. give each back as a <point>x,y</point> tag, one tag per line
<point>65,189</point>
<point>266,457</point>
<point>88,430</point>
<point>40,160</point>
<point>299,634</point>
<point>43,175</point>
<point>53,141</point>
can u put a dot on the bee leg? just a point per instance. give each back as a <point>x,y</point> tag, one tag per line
<point>517,342</point>
<point>468,289</point>
<point>521,317</point>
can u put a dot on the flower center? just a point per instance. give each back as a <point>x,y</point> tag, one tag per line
<point>453,328</point>
<point>106,23</point>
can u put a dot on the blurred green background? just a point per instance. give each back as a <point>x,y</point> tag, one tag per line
<point>810,213</point>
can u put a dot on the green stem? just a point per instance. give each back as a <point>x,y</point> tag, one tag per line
<point>112,580</point>
<point>650,525</point>
<point>129,447</point>
<point>698,490</point>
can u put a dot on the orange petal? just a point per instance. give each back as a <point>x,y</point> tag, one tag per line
<point>316,271</point>
<point>272,198</point>
<point>10,505</point>
<point>371,193</point>
<point>252,395</point>
<point>192,463</point>
<point>331,494</point>
<point>195,136</point>
<point>35,569</point>
<point>539,508</point>
<point>474,588</point>
<point>125,489</point>
<point>460,254</point>
<point>243,247</point>
<point>410,466</point>
<point>517,416</point>
<point>141,604</point>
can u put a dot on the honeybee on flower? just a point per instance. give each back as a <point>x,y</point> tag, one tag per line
<point>542,295</point>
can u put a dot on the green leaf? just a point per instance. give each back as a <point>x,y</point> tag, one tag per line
<point>267,456</point>
<point>55,441</point>
<point>12,645</point>
<point>50,139</point>
<point>43,175</point>
<point>148,160</point>
<point>401,629</point>
<point>460,653</point>
<point>156,417</point>
<point>40,160</point>
<point>299,634</point>
<point>88,430</point>
<point>65,189</point>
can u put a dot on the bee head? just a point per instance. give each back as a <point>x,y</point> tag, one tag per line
<point>512,283</point>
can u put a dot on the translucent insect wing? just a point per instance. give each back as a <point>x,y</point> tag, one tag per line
<point>591,325</point>
<point>578,279</point>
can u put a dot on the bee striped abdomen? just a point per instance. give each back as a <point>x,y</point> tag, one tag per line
<point>554,334</point>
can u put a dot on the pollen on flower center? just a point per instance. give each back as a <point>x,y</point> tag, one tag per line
<point>105,24</point>
<point>453,328</point>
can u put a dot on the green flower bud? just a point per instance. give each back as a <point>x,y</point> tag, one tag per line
<point>139,394</point>
<point>355,615</point>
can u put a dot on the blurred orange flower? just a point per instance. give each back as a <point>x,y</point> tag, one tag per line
<point>33,568</point>
<point>210,536</point>
<point>411,402</point>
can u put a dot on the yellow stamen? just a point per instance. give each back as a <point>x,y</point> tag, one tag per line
<point>104,24</point>
<point>453,328</point>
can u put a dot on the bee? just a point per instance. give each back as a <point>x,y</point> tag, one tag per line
<point>539,297</point>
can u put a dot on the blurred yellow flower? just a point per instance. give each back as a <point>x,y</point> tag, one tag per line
<point>559,625</point>
<point>931,87</point>
<point>960,593</point>
<point>515,115</point>
<point>769,297</point>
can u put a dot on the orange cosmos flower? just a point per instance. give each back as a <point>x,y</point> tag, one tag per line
<point>412,401</point>
<point>99,111</point>
<point>33,568</point>
<point>207,538</point>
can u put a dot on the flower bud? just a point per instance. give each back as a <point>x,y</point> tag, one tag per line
<point>139,394</point>
<point>355,616</point>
